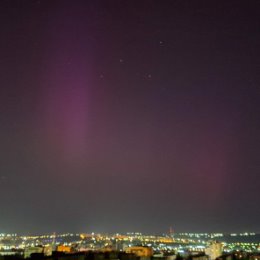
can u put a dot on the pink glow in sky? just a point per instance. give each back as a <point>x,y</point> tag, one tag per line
<point>66,89</point>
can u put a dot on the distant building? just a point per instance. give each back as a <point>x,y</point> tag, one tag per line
<point>64,249</point>
<point>28,251</point>
<point>141,251</point>
<point>214,250</point>
<point>45,250</point>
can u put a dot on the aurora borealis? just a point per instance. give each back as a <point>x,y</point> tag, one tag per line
<point>129,116</point>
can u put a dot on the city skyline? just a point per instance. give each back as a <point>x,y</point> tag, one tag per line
<point>180,243</point>
<point>129,115</point>
<point>136,233</point>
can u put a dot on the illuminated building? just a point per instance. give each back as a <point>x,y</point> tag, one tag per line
<point>141,251</point>
<point>45,250</point>
<point>65,249</point>
<point>214,250</point>
<point>32,250</point>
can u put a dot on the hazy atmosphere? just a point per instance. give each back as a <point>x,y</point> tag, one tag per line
<point>120,116</point>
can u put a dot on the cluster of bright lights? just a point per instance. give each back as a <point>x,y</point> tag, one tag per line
<point>181,242</point>
<point>243,234</point>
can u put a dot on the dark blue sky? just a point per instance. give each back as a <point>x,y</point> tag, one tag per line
<point>124,116</point>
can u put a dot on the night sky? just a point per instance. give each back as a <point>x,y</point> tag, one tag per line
<point>123,116</point>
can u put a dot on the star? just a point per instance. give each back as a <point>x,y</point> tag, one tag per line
<point>161,43</point>
<point>147,76</point>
